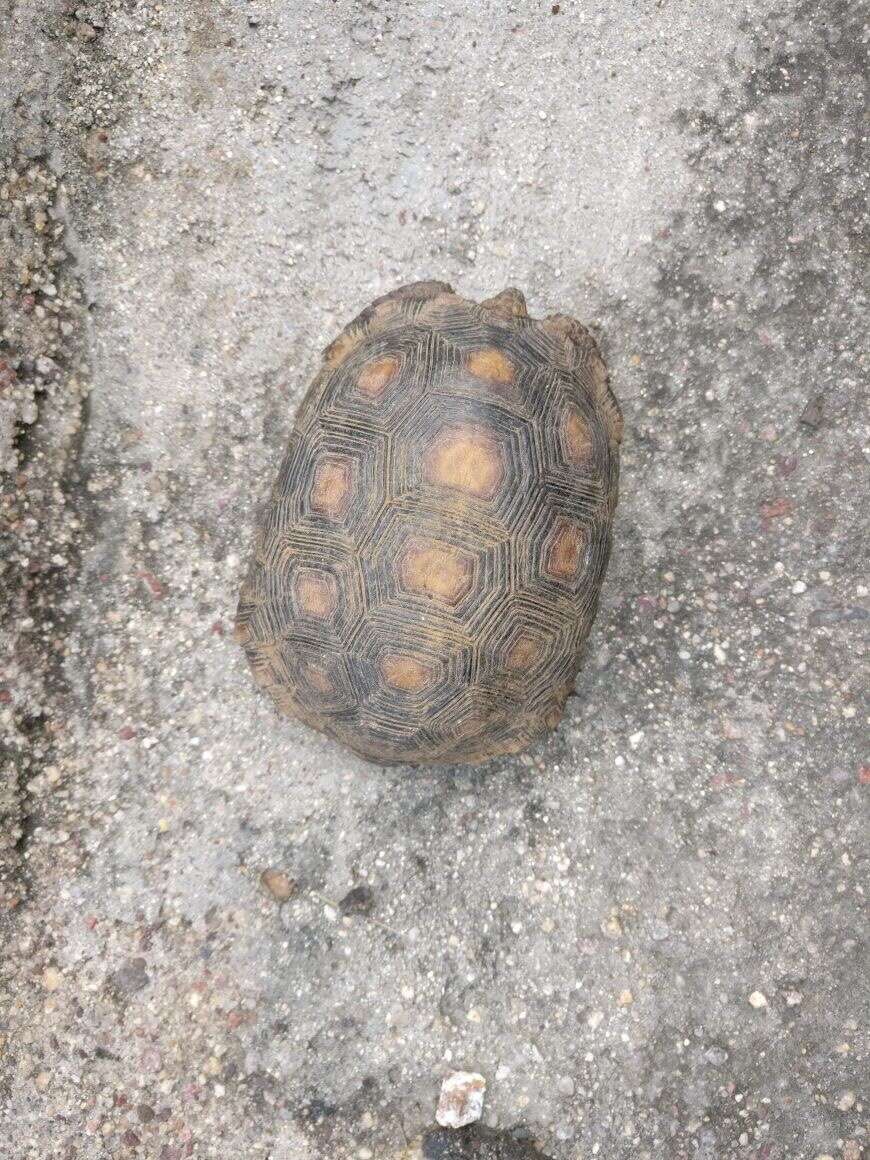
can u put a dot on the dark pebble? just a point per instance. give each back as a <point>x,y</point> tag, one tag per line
<point>129,978</point>
<point>360,900</point>
<point>813,414</point>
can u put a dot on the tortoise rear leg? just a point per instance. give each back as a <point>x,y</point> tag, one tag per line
<point>419,291</point>
<point>509,304</point>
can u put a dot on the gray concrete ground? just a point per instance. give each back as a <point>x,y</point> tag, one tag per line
<point>648,933</point>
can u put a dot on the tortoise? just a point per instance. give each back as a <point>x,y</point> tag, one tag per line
<point>429,564</point>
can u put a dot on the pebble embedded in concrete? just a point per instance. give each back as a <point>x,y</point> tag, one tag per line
<point>278,884</point>
<point>461,1099</point>
<point>192,209</point>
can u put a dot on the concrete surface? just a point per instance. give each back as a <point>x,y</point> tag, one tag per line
<point>647,935</point>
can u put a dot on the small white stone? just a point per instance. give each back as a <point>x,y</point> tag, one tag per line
<point>798,588</point>
<point>461,1099</point>
<point>51,978</point>
<point>757,1000</point>
<point>636,739</point>
<point>846,1101</point>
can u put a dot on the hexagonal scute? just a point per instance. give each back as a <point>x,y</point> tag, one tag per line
<point>580,459</point>
<point>407,670</point>
<point>565,552</point>
<point>331,479</point>
<point>332,487</point>
<point>306,585</point>
<point>465,459</point>
<point>523,642</point>
<point>382,377</point>
<point>435,569</point>
<point>466,454</point>
<point>429,564</point>
<point>322,682</point>
<point>435,566</point>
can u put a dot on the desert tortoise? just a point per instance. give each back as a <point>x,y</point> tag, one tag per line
<point>429,564</point>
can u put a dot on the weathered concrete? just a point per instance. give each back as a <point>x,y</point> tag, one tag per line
<point>584,925</point>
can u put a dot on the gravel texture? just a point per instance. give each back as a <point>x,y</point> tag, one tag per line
<point>222,935</point>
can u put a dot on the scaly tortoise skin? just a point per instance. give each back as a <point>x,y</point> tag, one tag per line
<point>429,564</point>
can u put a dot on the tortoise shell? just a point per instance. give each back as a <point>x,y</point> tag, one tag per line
<point>429,564</point>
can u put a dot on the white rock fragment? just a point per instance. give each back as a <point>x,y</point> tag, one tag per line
<point>757,1000</point>
<point>461,1099</point>
<point>51,978</point>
